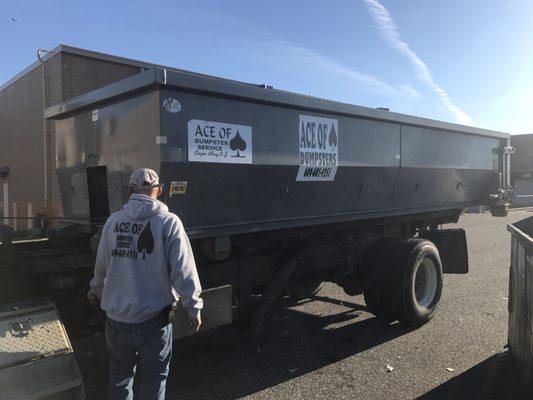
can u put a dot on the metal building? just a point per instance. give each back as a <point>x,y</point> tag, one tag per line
<point>522,169</point>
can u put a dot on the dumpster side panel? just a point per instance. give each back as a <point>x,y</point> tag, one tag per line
<point>382,166</point>
<point>267,189</point>
<point>520,335</point>
<point>521,312</point>
<point>513,294</point>
<point>379,168</point>
<point>439,167</point>
<point>120,136</point>
<point>528,366</point>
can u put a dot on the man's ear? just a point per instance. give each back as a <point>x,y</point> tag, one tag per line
<point>159,191</point>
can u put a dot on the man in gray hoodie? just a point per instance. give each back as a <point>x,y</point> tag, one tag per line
<point>143,265</point>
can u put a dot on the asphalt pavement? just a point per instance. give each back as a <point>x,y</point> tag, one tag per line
<point>333,348</point>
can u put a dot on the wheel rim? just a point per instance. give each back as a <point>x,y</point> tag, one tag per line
<point>426,283</point>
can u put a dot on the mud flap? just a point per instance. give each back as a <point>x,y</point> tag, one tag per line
<point>452,247</point>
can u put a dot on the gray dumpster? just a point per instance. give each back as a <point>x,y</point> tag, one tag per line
<point>521,302</point>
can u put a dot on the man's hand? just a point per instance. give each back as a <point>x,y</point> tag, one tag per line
<point>195,323</point>
<point>93,298</point>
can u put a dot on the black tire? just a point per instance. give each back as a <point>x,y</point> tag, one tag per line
<point>378,293</point>
<point>393,291</point>
<point>418,275</point>
<point>304,287</point>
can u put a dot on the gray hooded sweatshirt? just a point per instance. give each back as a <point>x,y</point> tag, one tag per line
<point>145,262</point>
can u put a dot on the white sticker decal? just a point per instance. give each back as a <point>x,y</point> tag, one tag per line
<point>94,117</point>
<point>161,140</point>
<point>319,148</point>
<point>219,142</point>
<point>172,105</point>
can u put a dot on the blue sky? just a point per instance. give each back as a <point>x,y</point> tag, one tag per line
<point>460,61</point>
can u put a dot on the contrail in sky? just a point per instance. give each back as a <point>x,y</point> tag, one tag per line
<point>391,34</point>
<point>249,41</point>
<point>300,57</point>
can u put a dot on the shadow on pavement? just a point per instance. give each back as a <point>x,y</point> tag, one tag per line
<point>229,364</point>
<point>494,379</point>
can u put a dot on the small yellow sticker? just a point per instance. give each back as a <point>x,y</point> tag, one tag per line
<point>178,187</point>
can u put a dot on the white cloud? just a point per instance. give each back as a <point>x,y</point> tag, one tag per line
<point>287,54</point>
<point>391,34</point>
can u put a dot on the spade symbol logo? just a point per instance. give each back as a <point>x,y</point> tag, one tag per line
<point>332,137</point>
<point>237,143</point>
<point>145,242</point>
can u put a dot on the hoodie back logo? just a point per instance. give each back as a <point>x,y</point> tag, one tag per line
<point>145,241</point>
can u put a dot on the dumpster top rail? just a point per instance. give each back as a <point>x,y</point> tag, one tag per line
<point>192,82</point>
<point>523,231</point>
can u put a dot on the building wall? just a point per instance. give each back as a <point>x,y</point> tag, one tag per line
<point>82,74</point>
<point>522,159</point>
<point>22,149</point>
<point>21,128</point>
<point>522,169</point>
<point>524,191</point>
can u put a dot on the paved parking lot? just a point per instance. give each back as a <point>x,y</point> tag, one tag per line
<point>333,348</point>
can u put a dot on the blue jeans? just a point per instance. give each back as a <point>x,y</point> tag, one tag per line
<point>147,347</point>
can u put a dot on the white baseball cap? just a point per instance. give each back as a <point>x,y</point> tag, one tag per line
<point>144,178</point>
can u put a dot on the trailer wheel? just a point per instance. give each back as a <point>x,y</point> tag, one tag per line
<point>304,287</point>
<point>378,284</point>
<point>418,276</point>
